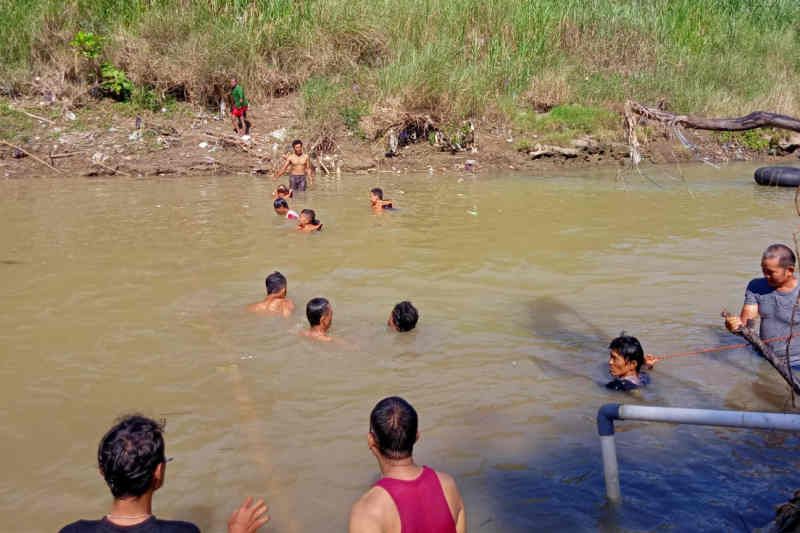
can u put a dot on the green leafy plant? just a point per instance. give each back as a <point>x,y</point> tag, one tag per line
<point>115,82</point>
<point>351,116</point>
<point>87,44</point>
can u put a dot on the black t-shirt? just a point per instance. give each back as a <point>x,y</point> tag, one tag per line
<point>151,525</point>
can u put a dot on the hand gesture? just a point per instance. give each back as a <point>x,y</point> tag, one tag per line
<point>248,518</point>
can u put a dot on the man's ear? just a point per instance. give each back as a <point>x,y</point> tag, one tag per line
<point>158,476</point>
<point>418,436</point>
<point>371,442</point>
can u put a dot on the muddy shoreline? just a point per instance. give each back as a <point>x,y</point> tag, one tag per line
<point>107,139</point>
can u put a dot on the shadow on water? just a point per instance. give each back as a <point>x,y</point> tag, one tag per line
<point>552,319</point>
<point>672,478</point>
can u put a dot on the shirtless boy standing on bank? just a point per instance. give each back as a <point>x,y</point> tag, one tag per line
<point>276,302</point>
<point>300,168</point>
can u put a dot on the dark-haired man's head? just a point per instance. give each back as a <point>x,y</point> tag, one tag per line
<point>376,194</point>
<point>626,356</point>
<point>308,216</point>
<point>404,317</point>
<point>234,83</point>
<point>281,206</point>
<point>319,313</point>
<point>276,284</point>
<point>131,457</point>
<point>297,146</point>
<point>778,264</point>
<point>393,429</point>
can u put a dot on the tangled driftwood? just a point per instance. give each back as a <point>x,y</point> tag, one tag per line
<point>756,119</point>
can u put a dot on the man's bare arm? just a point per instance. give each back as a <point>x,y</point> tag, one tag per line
<point>362,520</point>
<point>283,169</point>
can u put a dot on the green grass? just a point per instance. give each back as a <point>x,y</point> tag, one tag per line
<point>453,58</point>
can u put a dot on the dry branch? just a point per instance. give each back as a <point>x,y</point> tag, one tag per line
<point>781,365</point>
<point>45,163</point>
<point>756,119</point>
<point>37,117</point>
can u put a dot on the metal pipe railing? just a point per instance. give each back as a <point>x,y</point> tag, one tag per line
<point>676,415</point>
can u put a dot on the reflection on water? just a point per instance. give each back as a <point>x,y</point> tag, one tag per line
<point>128,295</point>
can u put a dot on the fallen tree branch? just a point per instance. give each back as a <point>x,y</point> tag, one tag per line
<point>756,119</point>
<point>45,163</point>
<point>37,117</point>
<point>781,365</point>
<point>110,169</point>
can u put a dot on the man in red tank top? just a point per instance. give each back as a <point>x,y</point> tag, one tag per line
<point>408,498</point>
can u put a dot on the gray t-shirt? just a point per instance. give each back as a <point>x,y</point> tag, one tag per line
<point>775,310</point>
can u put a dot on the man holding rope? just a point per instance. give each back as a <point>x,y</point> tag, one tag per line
<point>773,299</point>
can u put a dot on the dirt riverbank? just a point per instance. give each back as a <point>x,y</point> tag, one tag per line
<point>106,138</point>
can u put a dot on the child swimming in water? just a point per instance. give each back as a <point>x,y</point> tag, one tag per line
<point>308,221</point>
<point>283,192</point>
<point>320,316</point>
<point>378,203</point>
<point>281,207</point>
<point>276,301</point>
<point>404,317</point>
<point>625,361</point>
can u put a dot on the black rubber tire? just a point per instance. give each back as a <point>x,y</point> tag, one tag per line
<point>778,176</point>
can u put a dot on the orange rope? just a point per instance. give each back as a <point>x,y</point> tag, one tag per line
<point>718,348</point>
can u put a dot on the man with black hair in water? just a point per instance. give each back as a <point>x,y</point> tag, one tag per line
<point>308,221</point>
<point>625,361</point>
<point>319,313</point>
<point>408,498</point>
<point>771,299</point>
<point>281,207</point>
<point>300,165</point>
<point>377,201</point>
<point>132,460</point>
<point>403,317</point>
<point>276,301</point>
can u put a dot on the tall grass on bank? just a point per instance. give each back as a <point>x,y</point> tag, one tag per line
<point>454,58</point>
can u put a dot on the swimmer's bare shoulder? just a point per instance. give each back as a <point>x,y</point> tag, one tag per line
<point>258,307</point>
<point>288,307</point>
<point>372,513</point>
<point>316,336</point>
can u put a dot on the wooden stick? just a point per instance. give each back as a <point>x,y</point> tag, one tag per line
<point>37,117</point>
<point>67,154</point>
<point>110,169</point>
<point>45,163</point>
<point>756,119</point>
<point>781,365</point>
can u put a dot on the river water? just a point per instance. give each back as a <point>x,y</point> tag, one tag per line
<point>125,295</point>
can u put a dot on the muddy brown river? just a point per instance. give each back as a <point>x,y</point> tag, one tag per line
<point>128,295</point>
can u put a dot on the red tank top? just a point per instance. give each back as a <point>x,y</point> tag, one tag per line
<point>421,503</point>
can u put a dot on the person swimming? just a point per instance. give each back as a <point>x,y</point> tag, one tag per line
<point>308,221</point>
<point>281,207</point>
<point>276,301</point>
<point>283,192</point>
<point>403,317</point>
<point>319,313</point>
<point>625,361</point>
<point>378,203</point>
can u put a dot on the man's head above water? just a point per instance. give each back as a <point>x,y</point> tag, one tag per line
<point>276,284</point>
<point>778,264</point>
<point>393,429</point>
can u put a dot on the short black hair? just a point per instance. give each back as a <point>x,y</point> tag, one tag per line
<point>312,214</point>
<point>316,309</point>
<point>296,142</point>
<point>782,253</point>
<point>393,424</point>
<point>377,191</point>
<point>275,282</point>
<point>629,348</point>
<point>280,202</point>
<point>405,316</point>
<point>129,454</point>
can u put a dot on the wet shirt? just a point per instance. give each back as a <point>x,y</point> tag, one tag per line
<point>238,97</point>
<point>151,525</point>
<point>775,311</point>
<point>629,383</point>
